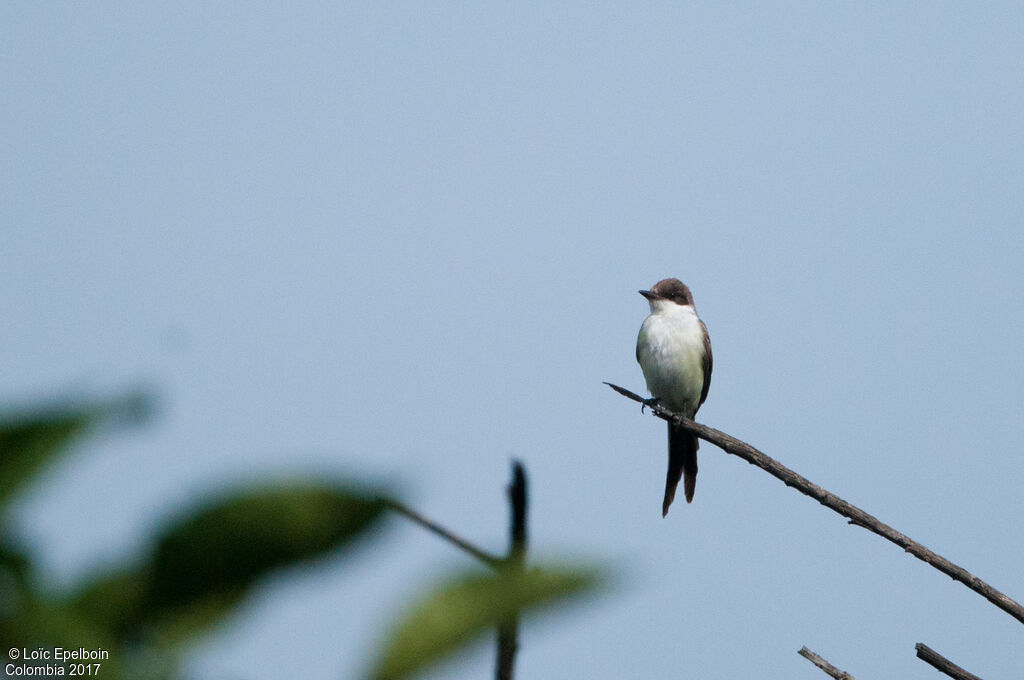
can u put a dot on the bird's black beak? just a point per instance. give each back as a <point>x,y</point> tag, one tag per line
<point>648,294</point>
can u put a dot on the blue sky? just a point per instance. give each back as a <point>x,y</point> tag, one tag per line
<point>403,241</point>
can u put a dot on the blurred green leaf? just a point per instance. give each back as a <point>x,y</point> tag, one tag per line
<point>15,579</point>
<point>205,563</point>
<point>29,441</point>
<point>14,558</point>
<point>112,600</point>
<point>44,622</point>
<point>463,608</point>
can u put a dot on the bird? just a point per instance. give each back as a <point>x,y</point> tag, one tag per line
<point>674,353</point>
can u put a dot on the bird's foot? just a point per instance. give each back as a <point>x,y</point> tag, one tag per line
<point>653,401</point>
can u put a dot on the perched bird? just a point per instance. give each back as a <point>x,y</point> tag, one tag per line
<point>674,353</point>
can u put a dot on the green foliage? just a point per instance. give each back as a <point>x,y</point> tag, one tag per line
<point>198,570</point>
<point>206,562</point>
<point>203,563</point>
<point>29,442</point>
<point>110,599</point>
<point>461,609</point>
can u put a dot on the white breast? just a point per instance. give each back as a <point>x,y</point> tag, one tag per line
<point>670,350</point>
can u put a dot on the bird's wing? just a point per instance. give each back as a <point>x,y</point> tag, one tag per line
<point>708,364</point>
<point>639,339</point>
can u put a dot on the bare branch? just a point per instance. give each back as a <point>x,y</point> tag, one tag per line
<point>930,656</point>
<point>824,665</point>
<point>461,543</point>
<point>853,513</point>
<point>517,500</point>
<point>508,632</point>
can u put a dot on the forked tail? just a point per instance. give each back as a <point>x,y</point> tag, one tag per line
<point>682,463</point>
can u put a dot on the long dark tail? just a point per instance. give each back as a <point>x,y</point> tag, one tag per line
<point>682,462</point>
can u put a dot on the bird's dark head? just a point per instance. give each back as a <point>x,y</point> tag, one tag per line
<point>672,290</point>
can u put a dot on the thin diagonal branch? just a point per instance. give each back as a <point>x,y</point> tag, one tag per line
<point>508,631</point>
<point>853,513</point>
<point>461,543</point>
<point>930,656</point>
<point>824,665</point>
